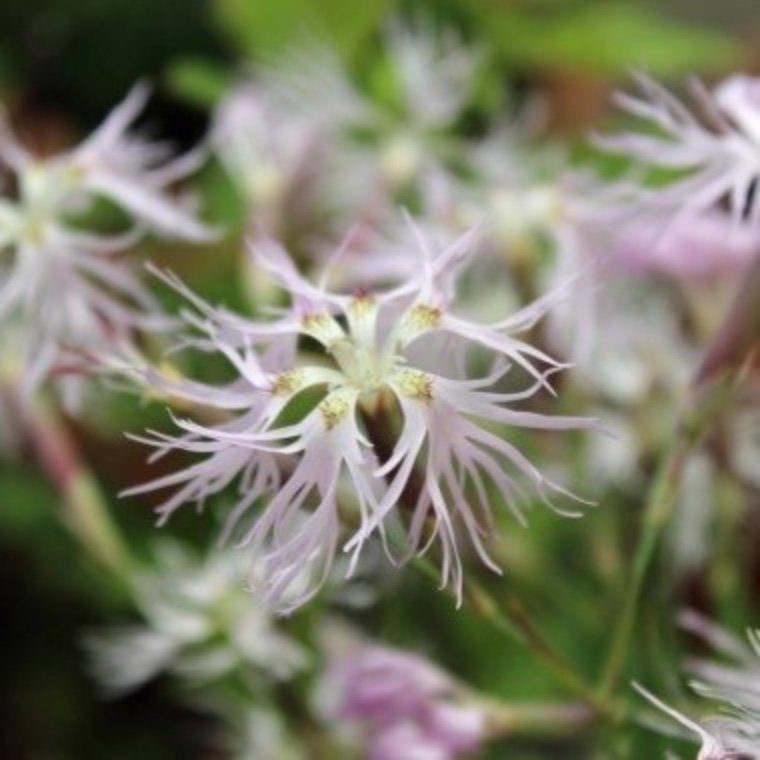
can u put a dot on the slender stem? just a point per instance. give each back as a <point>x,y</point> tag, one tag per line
<point>86,514</point>
<point>537,719</point>
<point>735,342</point>
<point>513,621</point>
<point>705,405</point>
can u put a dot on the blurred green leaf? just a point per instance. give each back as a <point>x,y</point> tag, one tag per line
<point>27,502</point>
<point>261,26</point>
<point>197,80</point>
<point>607,39</point>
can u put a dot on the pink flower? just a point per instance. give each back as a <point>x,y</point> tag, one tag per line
<point>408,708</point>
<point>720,155</point>
<point>278,161</point>
<point>687,248</point>
<point>734,733</point>
<point>373,374</point>
<point>67,288</point>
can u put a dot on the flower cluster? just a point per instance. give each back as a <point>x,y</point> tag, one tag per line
<point>64,282</point>
<point>376,350</point>
<point>304,172</point>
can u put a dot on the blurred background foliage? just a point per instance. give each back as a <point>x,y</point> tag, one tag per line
<point>63,64</point>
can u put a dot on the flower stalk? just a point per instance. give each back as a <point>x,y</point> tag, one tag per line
<point>85,512</point>
<point>711,391</point>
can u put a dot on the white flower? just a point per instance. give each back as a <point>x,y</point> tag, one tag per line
<point>199,623</point>
<point>277,159</point>
<point>720,155</point>
<point>68,288</point>
<point>733,733</point>
<point>439,466</point>
<point>382,145</point>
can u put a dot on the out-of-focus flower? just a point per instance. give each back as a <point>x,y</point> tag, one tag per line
<point>734,733</point>
<point>405,706</point>
<point>277,161</point>
<point>516,187</point>
<point>638,347</point>
<point>720,156</point>
<point>711,747</point>
<point>113,163</point>
<point>698,247</point>
<point>386,144</point>
<point>199,623</point>
<point>547,221</point>
<point>438,466</point>
<point>66,286</point>
<point>263,735</point>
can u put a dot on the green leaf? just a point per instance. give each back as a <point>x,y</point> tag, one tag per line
<point>259,27</point>
<point>607,39</point>
<point>198,81</point>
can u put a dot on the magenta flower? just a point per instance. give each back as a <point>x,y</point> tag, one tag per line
<point>720,154</point>
<point>388,358</point>
<point>408,708</point>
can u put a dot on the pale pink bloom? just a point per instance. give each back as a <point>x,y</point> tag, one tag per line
<point>531,203</point>
<point>406,707</point>
<point>719,153</point>
<point>411,145</point>
<point>711,748</point>
<point>696,247</point>
<point>734,732</point>
<point>114,163</point>
<point>434,72</point>
<point>371,347</point>
<point>733,682</point>
<point>198,623</point>
<point>278,160</point>
<point>381,149</point>
<point>68,295</point>
<point>68,288</point>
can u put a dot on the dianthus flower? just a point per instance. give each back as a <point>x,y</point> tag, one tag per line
<point>394,357</point>
<point>733,734</point>
<point>687,249</point>
<point>407,707</point>
<point>278,161</point>
<point>63,283</point>
<point>717,157</point>
<point>400,140</point>
<point>198,623</point>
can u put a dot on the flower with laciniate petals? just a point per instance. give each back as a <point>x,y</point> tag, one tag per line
<point>717,158</point>
<point>198,622</point>
<point>396,422</point>
<point>66,286</point>
<point>734,733</point>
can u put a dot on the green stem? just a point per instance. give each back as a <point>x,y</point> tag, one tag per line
<point>85,512</point>
<point>540,720</point>
<point>660,504</point>
<point>514,622</point>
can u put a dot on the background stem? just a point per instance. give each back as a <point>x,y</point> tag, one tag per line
<point>85,511</point>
